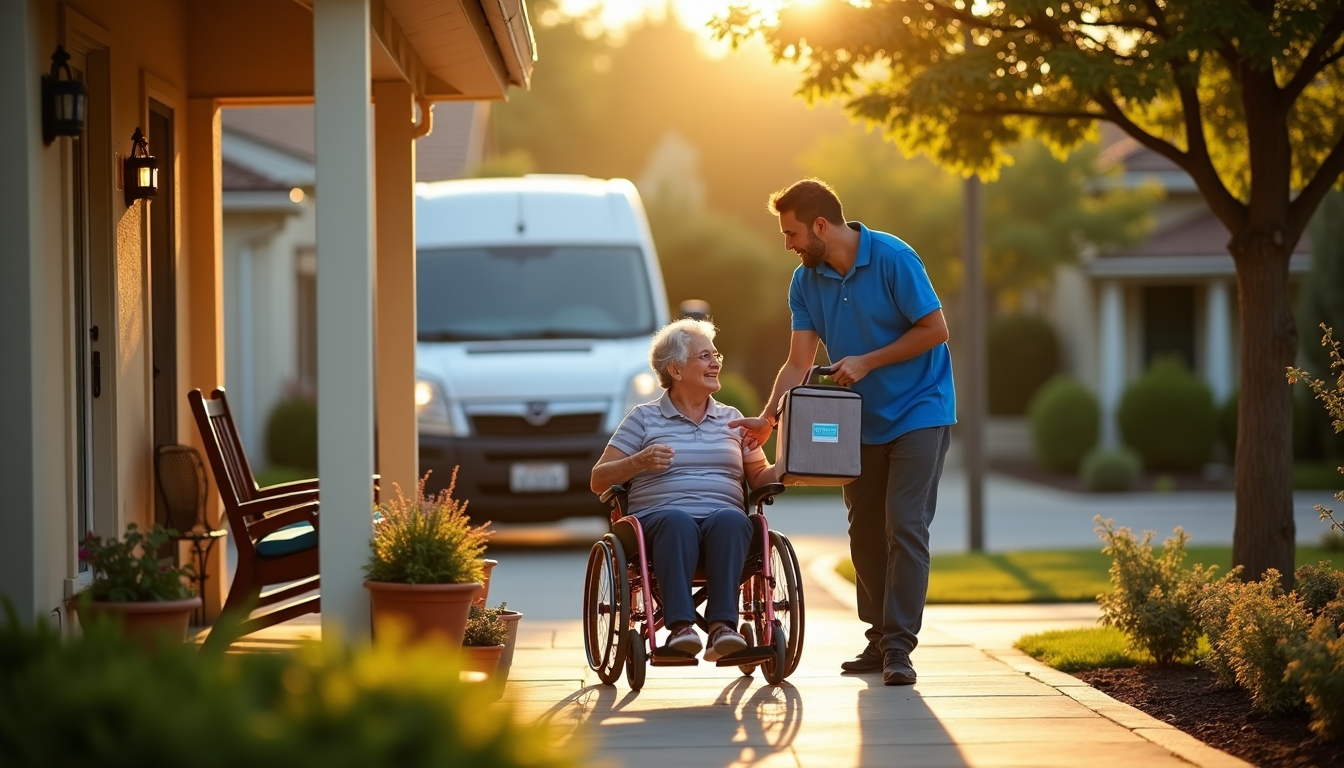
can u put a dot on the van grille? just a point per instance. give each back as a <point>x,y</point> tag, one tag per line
<point>563,424</point>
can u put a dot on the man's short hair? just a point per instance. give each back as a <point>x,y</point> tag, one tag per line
<point>808,200</point>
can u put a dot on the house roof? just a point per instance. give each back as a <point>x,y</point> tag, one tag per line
<point>452,148</point>
<point>1192,246</point>
<point>239,178</point>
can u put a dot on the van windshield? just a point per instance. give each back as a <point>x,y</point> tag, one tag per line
<point>532,292</point>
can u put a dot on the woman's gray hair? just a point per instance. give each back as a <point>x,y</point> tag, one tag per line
<point>672,343</point>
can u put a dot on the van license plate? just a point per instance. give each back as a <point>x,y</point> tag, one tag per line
<point>538,476</point>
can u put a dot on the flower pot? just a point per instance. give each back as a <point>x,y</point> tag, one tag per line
<point>481,597</point>
<point>423,611</point>
<point>149,624</point>
<point>482,658</point>
<point>506,658</point>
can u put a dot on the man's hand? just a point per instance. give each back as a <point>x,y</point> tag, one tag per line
<point>753,428</point>
<point>848,370</point>
<point>655,458</point>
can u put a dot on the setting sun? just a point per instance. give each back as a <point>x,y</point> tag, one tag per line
<point>693,14</point>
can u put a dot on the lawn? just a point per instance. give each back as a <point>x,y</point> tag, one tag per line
<point>1053,576</point>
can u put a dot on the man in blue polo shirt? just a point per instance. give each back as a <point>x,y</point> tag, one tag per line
<point>867,297</point>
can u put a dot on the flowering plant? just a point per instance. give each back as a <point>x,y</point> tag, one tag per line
<point>128,570</point>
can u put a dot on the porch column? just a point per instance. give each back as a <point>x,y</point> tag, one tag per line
<point>1218,342</point>
<point>202,282</point>
<point>394,168</point>
<point>1111,383</point>
<point>344,309</point>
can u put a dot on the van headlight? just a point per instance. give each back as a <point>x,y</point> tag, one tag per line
<point>433,414</point>
<point>640,390</point>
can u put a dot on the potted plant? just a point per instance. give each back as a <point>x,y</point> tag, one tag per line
<point>510,619</point>
<point>483,597</point>
<point>483,641</point>
<point>150,599</point>
<point>424,564</point>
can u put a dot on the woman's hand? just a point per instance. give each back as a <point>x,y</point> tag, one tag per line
<point>754,428</point>
<point>655,458</point>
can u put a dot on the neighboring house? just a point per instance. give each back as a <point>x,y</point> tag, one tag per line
<point>270,254</point>
<point>1175,294</point>
<point>113,307</point>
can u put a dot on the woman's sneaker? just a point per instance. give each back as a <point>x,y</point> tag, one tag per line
<point>685,640</point>
<point>723,641</point>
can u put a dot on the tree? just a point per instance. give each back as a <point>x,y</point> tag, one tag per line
<point>1243,95</point>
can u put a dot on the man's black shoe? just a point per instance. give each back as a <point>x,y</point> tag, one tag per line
<point>868,661</point>
<point>896,668</point>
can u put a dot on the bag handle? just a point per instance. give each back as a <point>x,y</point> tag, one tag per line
<point>816,370</point>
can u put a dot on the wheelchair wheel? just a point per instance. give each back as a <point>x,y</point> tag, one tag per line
<point>636,661</point>
<point>749,634</point>
<point>606,609</point>
<point>775,669</point>
<point>788,597</point>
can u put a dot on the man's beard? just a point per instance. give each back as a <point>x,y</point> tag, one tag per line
<point>815,252</point>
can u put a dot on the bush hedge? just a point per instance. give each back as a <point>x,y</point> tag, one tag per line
<point>1064,420</point>
<point>1168,416</point>
<point>291,434</point>
<point>1111,471</point>
<point>1023,353</point>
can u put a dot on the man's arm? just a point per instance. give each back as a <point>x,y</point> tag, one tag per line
<point>928,332</point>
<point>802,351</point>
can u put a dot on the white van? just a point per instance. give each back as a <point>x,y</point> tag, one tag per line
<point>536,299</point>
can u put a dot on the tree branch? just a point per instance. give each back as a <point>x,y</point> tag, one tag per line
<point>1305,204</point>
<point>1318,58</point>
<point>1024,112</point>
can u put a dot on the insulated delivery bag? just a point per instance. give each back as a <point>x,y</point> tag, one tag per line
<point>819,433</point>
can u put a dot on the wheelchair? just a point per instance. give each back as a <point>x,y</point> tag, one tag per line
<point>622,609</point>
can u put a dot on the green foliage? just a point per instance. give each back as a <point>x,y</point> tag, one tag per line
<point>1064,421</point>
<point>426,540</point>
<point>1264,629</point>
<point>514,163</point>
<point>100,700</point>
<point>1074,650</point>
<point>129,570</point>
<point>1154,598</point>
<point>1212,607</point>
<point>1318,670</point>
<point>737,391</point>
<point>484,627</point>
<point>1168,416</point>
<point>1111,471</point>
<point>1317,585</point>
<point>1023,354</point>
<point>291,434</point>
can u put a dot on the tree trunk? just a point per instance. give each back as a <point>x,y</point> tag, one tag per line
<point>1265,532</point>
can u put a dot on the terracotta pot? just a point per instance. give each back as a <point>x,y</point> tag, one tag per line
<point>482,658</point>
<point>511,640</point>
<point>149,624</point>
<point>424,611</point>
<point>484,594</point>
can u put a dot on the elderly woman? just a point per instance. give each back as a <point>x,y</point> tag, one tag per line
<point>685,469</point>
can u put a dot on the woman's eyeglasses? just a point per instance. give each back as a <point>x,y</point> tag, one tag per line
<point>709,357</point>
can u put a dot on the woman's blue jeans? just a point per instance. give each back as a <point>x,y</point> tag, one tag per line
<point>676,542</point>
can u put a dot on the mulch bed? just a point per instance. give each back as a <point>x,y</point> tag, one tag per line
<point>1027,469</point>
<point>1192,700</point>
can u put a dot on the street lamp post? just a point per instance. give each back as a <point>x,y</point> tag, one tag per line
<point>976,375</point>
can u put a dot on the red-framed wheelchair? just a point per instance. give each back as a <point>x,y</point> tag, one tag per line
<point>622,610</point>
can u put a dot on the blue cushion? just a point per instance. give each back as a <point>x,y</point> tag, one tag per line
<point>288,540</point>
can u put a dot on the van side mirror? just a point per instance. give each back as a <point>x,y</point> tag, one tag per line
<point>696,309</point>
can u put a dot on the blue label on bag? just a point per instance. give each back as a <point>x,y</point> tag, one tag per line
<point>825,433</point>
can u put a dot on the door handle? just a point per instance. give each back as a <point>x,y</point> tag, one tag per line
<point>97,374</point>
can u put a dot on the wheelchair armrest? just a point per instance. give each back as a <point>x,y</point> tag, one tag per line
<point>765,494</point>
<point>610,495</point>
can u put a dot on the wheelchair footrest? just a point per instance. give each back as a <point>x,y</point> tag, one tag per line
<point>663,656</point>
<point>747,656</point>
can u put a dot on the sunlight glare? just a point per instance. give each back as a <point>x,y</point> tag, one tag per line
<point>617,15</point>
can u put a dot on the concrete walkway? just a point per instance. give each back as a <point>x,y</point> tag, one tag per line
<point>978,702</point>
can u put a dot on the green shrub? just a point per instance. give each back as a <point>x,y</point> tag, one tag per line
<point>1318,585</point>
<point>1318,670</point>
<point>99,700</point>
<point>1153,600</point>
<point>1168,417</point>
<point>1023,354</point>
<point>291,434</point>
<point>484,626</point>
<point>1212,607</point>
<point>1064,420</point>
<point>1265,630</point>
<point>735,390</point>
<point>1111,470</point>
<point>426,540</point>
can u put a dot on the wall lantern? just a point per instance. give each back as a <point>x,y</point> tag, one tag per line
<point>140,175</point>
<point>63,101</point>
